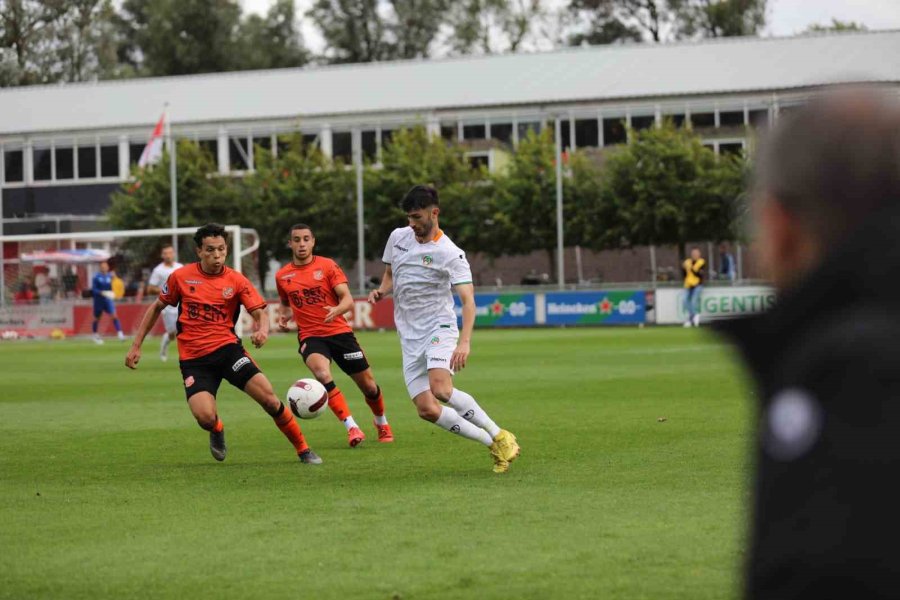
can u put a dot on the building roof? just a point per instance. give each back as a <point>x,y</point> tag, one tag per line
<point>604,73</point>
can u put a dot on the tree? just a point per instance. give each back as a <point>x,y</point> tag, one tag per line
<point>180,37</point>
<point>273,41</point>
<point>415,26</point>
<point>86,38</point>
<point>476,24</point>
<point>413,157</point>
<point>26,34</point>
<point>720,18</point>
<point>665,187</point>
<point>611,21</point>
<point>836,25</point>
<point>354,30</point>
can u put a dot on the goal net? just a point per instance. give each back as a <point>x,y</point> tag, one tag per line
<point>45,286</point>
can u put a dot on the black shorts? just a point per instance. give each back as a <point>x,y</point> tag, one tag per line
<point>230,362</point>
<point>341,348</point>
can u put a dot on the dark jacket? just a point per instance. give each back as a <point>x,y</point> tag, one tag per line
<point>826,361</point>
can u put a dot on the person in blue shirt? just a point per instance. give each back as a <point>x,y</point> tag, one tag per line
<point>101,290</point>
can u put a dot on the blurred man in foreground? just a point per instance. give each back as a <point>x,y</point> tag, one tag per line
<point>826,359</point>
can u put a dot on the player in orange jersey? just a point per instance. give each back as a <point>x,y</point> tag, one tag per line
<point>209,296</point>
<point>315,290</point>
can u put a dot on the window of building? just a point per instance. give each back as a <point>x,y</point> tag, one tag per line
<point>42,164</point>
<point>703,119</point>
<point>109,161</point>
<point>13,165</point>
<point>502,132</point>
<point>759,118</point>
<point>238,154</point>
<point>342,146</point>
<point>309,139</point>
<point>87,162</point>
<point>474,131</point>
<point>65,163</point>
<point>479,160</point>
<point>211,148</point>
<point>565,133</point>
<point>387,135</point>
<point>614,131</point>
<point>587,133</point>
<point>677,119</point>
<point>369,140</point>
<point>525,127</point>
<point>642,122</point>
<point>135,151</point>
<point>449,131</point>
<point>731,148</point>
<point>731,118</point>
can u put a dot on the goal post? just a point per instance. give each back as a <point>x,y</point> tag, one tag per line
<point>45,278</point>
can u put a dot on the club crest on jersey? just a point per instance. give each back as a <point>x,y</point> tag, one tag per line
<point>318,275</point>
<point>228,292</point>
<point>427,260</point>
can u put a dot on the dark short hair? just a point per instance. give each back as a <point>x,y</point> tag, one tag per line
<point>834,162</point>
<point>167,245</point>
<point>297,226</point>
<point>421,196</point>
<point>210,230</point>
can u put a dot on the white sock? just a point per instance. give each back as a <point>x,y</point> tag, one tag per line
<point>349,423</point>
<point>382,420</point>
<point>468,409</point>
<point>164,344</point>
<point>453,423</point>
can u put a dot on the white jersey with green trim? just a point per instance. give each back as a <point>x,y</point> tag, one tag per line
<point>424,274</point>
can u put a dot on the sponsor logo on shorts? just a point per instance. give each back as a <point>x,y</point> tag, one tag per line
<point>303,347</point>
<point>435,341</point>
<point>427,259</point>
<point>436,359</point>
<point>353,356</point>
<point>189,381</point>
<point>318,275</point>
<point>240,363</point>
<point>228,292</point>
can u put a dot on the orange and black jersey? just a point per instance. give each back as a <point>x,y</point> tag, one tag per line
<point>307,289</point>
<point>208,307</point>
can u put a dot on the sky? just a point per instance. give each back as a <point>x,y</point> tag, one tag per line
<point>785,17</point>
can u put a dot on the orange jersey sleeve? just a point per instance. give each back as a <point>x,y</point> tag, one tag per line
<point>208,307</point>
<point>307,290</point>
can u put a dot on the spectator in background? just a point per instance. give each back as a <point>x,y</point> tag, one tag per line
<point>43,284</point>
<point>70,283</point>
<point>727,265</point>
<point>25,291</point>
<point>827,204</point>
<point>694,275</point>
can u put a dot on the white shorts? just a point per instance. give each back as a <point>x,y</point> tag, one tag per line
<point>170,319</point>
<point>432,352</point>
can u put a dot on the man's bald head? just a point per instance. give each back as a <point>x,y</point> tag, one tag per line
<point>834,161</point>
<point>821,173</point>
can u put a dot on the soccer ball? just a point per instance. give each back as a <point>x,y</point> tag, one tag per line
<point>307,398</point>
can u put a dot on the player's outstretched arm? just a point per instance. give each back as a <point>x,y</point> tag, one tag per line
<point>147,323</point>
<point>259,337</point>
<point>345,303</point>
<point>387,285</point>
<point>466,293</point>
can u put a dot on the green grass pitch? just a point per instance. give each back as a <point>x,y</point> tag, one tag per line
<point>632,483</point>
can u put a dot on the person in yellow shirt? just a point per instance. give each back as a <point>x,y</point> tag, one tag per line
<point>694,275</point>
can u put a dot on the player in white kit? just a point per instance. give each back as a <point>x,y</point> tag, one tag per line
<point>423,267</point>
<point>158,277</point>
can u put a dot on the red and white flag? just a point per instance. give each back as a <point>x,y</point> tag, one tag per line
<point>154,149</point>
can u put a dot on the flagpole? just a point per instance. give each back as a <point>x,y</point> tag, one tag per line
<point>172,179</point>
